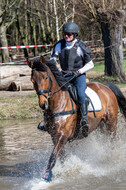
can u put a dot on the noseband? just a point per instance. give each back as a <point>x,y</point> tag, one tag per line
<point>48,90</point>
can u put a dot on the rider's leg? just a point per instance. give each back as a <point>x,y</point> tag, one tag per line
<point>71,89</point>
<point>80,84</point>
<point>84,122</point>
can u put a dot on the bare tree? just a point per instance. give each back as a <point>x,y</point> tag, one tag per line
<point>7,17</point>
<point>110,15</point>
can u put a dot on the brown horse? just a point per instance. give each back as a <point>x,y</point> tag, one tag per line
<point>60,111</point>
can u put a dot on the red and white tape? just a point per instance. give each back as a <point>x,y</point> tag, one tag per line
<point>32,46</point>
<point>27,46</point>
<point>23,62</point>
<point>14,63</point>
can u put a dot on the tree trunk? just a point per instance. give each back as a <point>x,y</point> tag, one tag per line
<point>21,36</point>
<point>49,33</point>
<point>111,25</point>
<point>42,28</point>
<point>64,10</point>
<point>56,20</point>
<point>4,43</point>
<point>73,12</point>
<point>26,24</point>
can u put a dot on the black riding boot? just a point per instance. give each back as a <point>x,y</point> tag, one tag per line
<point>84,127</point>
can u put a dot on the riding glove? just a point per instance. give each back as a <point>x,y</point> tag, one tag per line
<point>75,73</point>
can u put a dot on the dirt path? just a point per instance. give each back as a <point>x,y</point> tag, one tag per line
<point>16,93</point>
<point>25,93</point>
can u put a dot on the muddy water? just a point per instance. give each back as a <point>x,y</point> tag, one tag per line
<point>95,163</point>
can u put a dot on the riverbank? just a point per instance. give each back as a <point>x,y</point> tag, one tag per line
<point>19,105</point>
<point>22,105</point>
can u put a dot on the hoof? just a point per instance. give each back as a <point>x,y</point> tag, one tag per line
<point>48,175</point>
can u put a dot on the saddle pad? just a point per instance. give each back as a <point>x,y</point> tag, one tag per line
<point>95,100</point>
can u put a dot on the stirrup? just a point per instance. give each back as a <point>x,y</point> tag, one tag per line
<point>41,127</point>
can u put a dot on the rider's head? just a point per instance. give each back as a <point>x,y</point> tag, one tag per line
<point>70,31</point>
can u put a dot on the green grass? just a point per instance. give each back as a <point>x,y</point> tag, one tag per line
<point>99,76</point>
<point>99,67</point>
<point>32,95</point>
<point>20,107</point>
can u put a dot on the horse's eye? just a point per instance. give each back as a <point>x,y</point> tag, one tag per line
<point>46,78</point>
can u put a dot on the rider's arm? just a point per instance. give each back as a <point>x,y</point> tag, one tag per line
<point>88,63</point>
<point>56,51</point>
<point>86,67</point>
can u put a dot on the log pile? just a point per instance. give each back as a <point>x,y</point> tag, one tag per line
<point>15,78</point>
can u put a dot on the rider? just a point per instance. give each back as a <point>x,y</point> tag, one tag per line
<point>75,60</point>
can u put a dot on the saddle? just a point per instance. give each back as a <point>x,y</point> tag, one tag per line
<point>91,97</point>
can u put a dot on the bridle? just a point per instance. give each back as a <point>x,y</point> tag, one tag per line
<point>48,90</point>
<point>50,94</point>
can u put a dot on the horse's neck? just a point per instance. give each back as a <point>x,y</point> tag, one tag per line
<point>60,98</point>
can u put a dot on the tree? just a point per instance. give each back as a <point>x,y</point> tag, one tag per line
<point>112,26</point>
<point>110,15</point>
<point>7,17</point>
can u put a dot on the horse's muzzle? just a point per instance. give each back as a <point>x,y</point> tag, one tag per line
<point>44,106</point>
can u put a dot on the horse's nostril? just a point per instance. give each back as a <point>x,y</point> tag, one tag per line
<point>44,106</point>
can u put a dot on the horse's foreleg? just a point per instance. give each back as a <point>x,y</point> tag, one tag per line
<point>57,149</point>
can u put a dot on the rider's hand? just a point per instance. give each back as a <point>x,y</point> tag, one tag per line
<point>76,73</point>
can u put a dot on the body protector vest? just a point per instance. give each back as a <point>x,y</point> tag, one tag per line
<point>70,60</point>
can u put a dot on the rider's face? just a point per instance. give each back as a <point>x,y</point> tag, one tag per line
<point>68,37</point>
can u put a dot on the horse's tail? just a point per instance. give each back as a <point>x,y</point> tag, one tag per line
<point>120,97</point>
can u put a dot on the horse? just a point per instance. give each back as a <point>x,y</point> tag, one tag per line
<point>60,111</point>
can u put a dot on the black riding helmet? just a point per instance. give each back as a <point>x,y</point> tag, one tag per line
<point>70,27</point>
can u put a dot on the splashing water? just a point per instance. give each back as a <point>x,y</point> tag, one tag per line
<point>97,162</point>
<point>93,163</point>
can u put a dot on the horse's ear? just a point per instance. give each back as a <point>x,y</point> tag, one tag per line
<point>30,63</point>
<point>42,60</point>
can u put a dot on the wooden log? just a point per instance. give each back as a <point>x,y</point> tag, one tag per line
<point>10,78</point>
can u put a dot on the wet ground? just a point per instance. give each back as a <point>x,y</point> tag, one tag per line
<point>94,163</point>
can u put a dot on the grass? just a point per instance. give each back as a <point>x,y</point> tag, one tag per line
<point>97,74</point>
<point>20,107</point>
<point>99,67</point>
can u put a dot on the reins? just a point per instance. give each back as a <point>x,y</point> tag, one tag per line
<point>50,94</point>
<point>62,86</point>
<point>49,90</point>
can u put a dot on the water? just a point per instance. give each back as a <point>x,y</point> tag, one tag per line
<point>95,163</point>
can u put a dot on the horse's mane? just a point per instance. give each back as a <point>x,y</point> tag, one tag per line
<point>61,80</point>
<point>38,65</point>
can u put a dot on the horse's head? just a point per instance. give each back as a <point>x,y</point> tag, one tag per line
<point>41,80</point>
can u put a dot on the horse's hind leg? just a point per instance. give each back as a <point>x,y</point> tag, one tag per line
<point>112,125</point>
